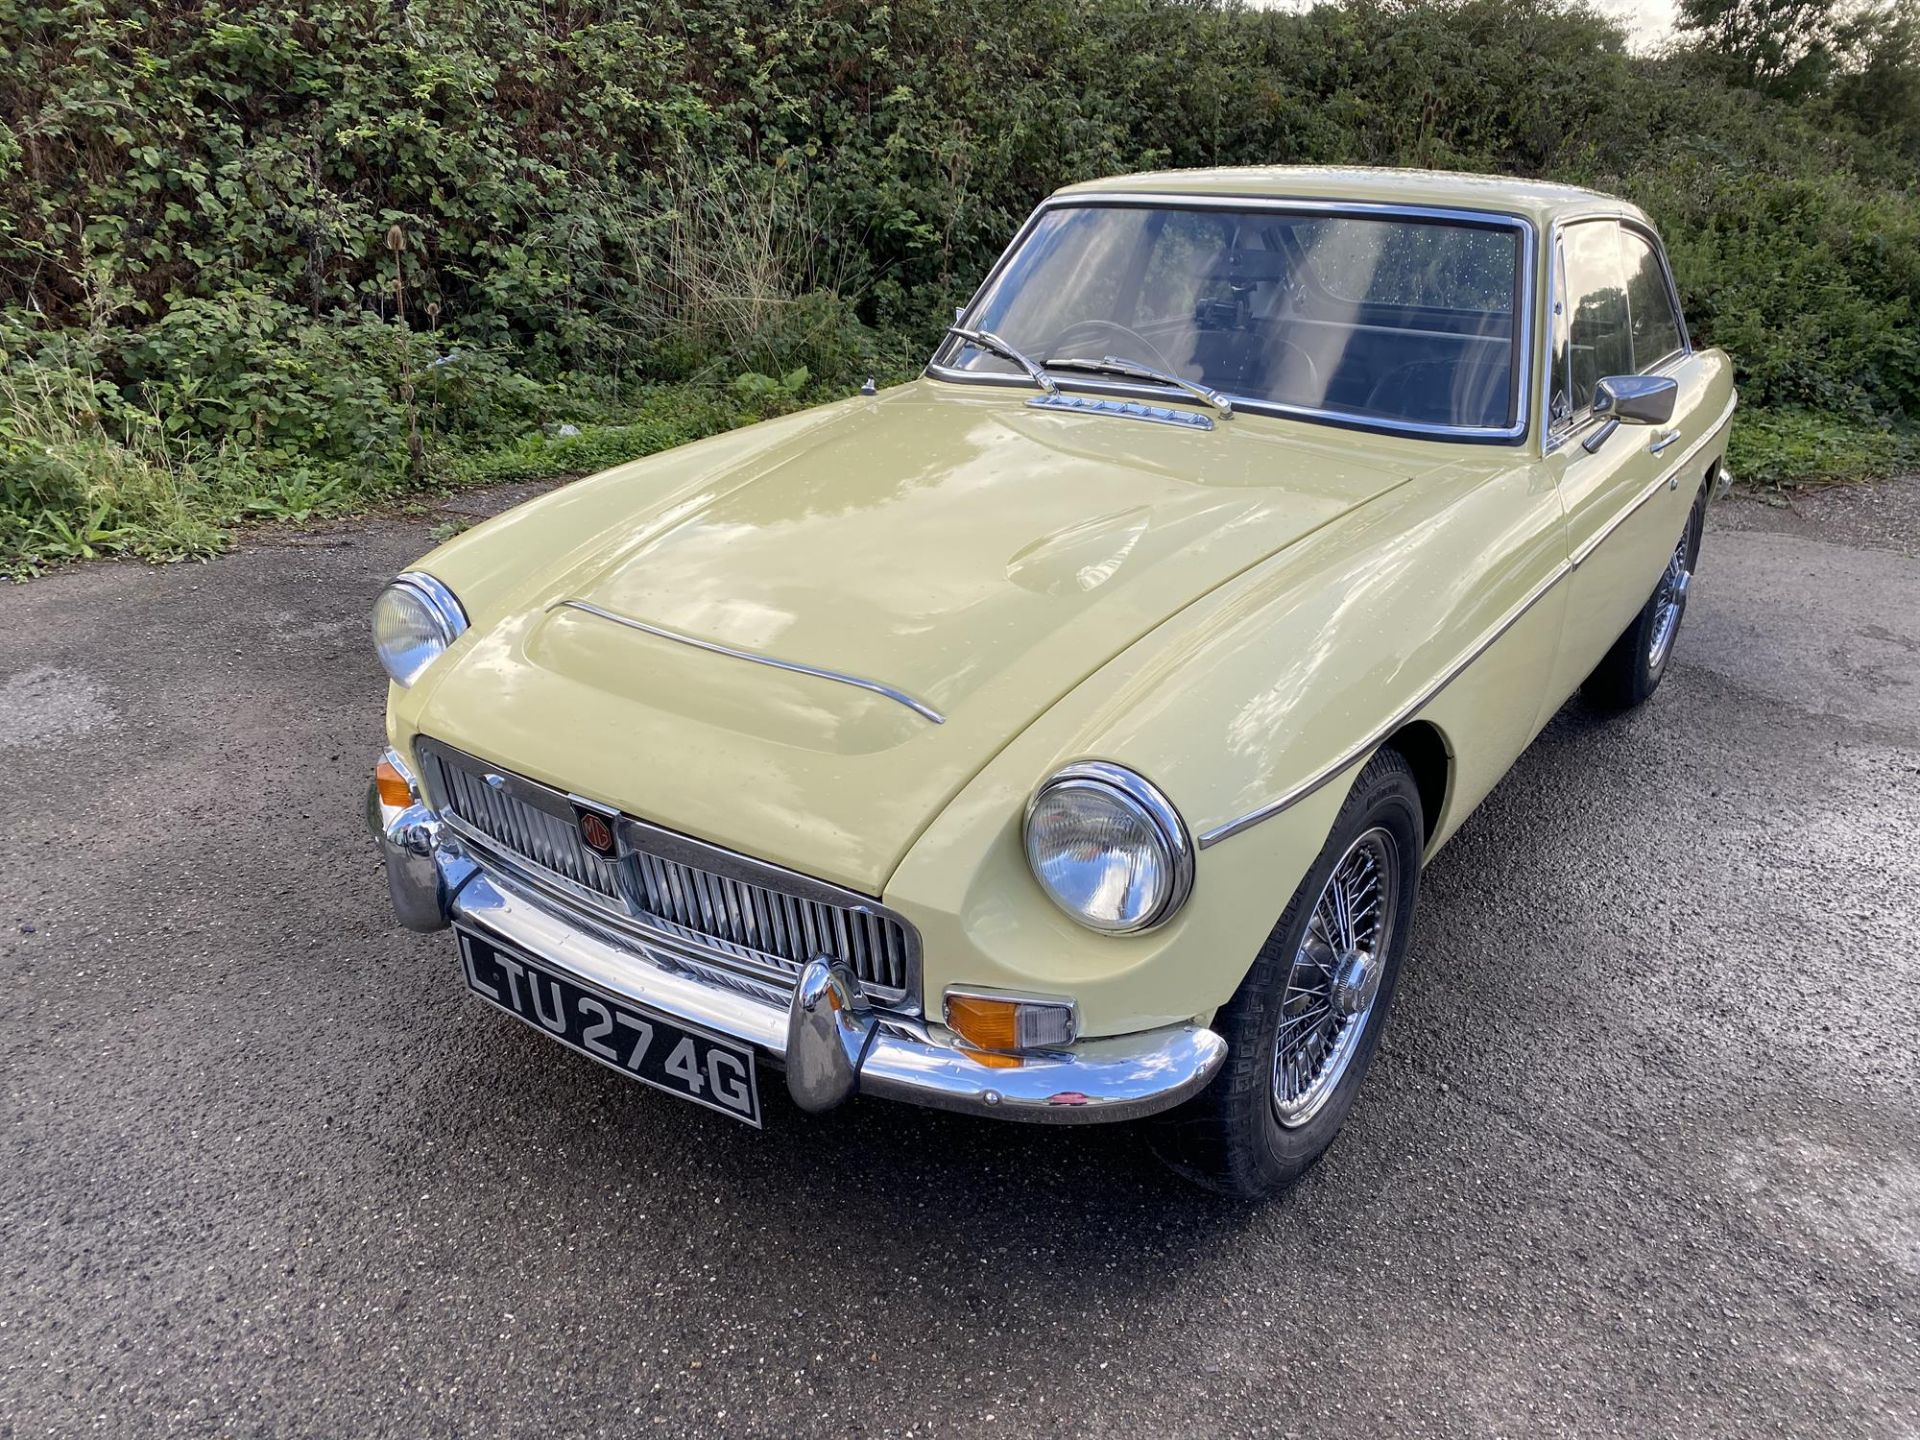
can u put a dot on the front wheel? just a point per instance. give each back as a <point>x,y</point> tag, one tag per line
<point>1303,1026</point>
<point>1632,669</point>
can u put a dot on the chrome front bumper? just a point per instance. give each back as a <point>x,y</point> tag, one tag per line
<point>830,1042</point>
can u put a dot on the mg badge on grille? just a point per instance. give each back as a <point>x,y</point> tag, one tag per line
<point>596,830</point>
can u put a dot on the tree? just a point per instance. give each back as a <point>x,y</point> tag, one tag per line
<point>1879,88</point>
<point>1786,48</point>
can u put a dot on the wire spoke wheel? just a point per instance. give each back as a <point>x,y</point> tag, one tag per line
<point>1335,977</point>
<point>1668,600</point>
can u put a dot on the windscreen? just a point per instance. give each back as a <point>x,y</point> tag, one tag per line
<point>1389,319</point>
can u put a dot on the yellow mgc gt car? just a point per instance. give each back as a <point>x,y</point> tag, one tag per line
<point>1060,736</point>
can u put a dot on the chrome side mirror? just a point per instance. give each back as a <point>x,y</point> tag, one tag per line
<point>1636,399</point>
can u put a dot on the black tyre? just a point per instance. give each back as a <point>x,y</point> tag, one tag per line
<point>1632,669</point>
<point>1302,1029</point>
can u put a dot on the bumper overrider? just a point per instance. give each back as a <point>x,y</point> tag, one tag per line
<point>830,1041</point>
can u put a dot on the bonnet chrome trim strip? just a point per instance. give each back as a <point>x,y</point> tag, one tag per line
<point>714,647</point>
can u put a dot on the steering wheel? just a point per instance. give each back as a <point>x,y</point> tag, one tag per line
<point>1064,344</point>
<point>1306,364</point>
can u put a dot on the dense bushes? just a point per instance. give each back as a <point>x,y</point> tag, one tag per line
<point>267,260</point>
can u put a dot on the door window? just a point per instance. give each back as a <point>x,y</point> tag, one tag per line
<point>1654,322</point>
<point>1594,338</point>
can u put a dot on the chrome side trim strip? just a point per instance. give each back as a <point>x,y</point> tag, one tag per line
<point>1659,482</point>
<point>1350,758</point>
<point>1366,747</point>
<point>918,707</point>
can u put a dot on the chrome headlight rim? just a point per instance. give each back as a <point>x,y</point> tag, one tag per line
<point>443,609</point>
<point>1151,803</point>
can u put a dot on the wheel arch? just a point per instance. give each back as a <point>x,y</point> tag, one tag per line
<point>1425,749</point>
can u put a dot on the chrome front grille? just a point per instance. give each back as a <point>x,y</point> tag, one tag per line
<point>743,914</point>
<point>773,923</point>
<point>537,835</point>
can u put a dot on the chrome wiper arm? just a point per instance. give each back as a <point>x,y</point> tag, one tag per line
<point>989,341</point>
<point>1134,370</point>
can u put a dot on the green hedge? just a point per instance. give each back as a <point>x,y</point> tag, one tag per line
<point>263,259</point>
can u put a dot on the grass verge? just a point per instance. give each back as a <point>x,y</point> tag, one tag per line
<point>1780,450</point>
<point>74,487</point>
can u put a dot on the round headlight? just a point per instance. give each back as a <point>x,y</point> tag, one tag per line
<point>414,620</point>
<point>1109,848</point>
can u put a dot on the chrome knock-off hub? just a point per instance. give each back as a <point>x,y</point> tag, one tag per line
<point>1356,980</point>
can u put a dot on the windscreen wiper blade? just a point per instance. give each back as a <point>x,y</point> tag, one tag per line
<point>1133,370</point>
<point>991,342</point>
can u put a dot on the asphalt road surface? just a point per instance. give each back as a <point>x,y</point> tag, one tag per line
<point>1641,1154</point>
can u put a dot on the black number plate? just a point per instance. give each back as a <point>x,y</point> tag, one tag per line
<point>650,1048</point>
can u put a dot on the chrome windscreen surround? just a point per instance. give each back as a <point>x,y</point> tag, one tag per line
<point>1524,285</point>
<point>725,911</point>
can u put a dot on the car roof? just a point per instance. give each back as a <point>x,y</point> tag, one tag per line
<point>1542,201</point>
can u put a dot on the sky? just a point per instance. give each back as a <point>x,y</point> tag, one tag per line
<point>1648,23</point>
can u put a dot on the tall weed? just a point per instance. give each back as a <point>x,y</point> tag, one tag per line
<point>71,487</point>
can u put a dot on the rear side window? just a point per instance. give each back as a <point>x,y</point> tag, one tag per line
<point>1655,323</point>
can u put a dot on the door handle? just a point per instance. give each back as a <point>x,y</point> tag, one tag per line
<point>1662,441</point>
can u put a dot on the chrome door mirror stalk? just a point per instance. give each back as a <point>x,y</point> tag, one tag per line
<point>1636,399</point>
